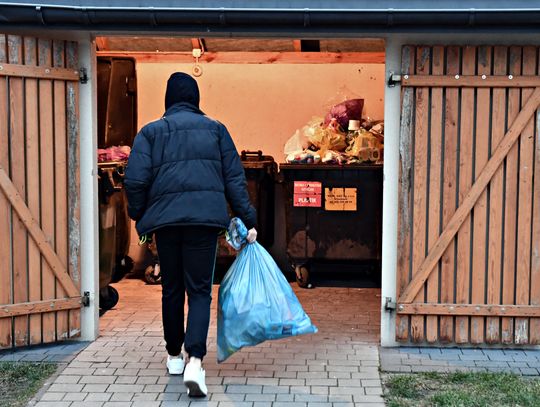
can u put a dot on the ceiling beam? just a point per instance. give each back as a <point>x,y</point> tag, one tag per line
<point>198,43</point>
<point>102,43</point>
<point>256,57</point>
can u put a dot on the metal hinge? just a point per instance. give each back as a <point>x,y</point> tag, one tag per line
<point>394,79</point>
<point>389,305</point>
<point>83,75</point>
<point>85,301</point>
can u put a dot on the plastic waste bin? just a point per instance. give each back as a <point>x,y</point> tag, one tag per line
<point>333,215</point>
<point>114,232</point>
<point>261,171</point>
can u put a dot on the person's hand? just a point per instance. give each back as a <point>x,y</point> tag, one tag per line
<point>252,235</point>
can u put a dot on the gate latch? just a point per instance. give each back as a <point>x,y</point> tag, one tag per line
<point>393,80</point>
<point>389,305</point>
<point>85,301</point>
<point>83,76</point>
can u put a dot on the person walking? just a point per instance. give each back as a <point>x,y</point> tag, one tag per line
<point>183,170</point>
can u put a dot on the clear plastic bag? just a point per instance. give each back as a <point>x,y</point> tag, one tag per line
<point>256,303</point>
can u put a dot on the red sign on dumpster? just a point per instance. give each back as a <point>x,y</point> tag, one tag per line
<point>307,194</point>
<point>307,187</point>
<point>312,201</point>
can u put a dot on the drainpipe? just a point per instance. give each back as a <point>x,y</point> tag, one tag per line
<point>392,111</point>
<point>89,193</point>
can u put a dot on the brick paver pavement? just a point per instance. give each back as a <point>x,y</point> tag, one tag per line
<point>338,367</point>
<point>419,359</point>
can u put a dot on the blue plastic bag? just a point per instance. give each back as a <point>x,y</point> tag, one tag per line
<point>256,303</point>
<point>236,233</point>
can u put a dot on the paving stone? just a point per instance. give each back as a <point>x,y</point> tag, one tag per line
<point>228,397</point>
<point>288,404</point>
<point>474,356</point>
<point>311,398</point>
<point>374,391</point>
<point>75,397</point>
<point>95,388</point>
<point>176,403</point>
<point>126,379</point>
<point>284,397</point>
<point>97,379</point>
<point>53,396</point>
<point>122,396</point>
<point>529,371</point>
<point>98,397</point>
<point>65,387</point>
<point>145,397</point>
<point>423,369</point>
<point>87,404</point>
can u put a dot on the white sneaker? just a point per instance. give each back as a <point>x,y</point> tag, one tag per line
<point>194,379</point>
<point>175,364</point>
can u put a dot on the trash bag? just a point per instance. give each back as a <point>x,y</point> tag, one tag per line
<point>256,303</point>
<point>348,110</point>
<point>236,234</point>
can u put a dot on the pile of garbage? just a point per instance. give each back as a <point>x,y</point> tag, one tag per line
<point>113,154</point>
<point>341,138</point>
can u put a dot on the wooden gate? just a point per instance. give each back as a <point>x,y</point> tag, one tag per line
<point>39,191</point>
<point>469,234</point>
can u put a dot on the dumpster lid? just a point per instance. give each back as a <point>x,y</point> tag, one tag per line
<point>323,167</point>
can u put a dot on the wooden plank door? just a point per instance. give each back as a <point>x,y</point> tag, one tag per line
<point>469,241</point>
<point>39,191</point>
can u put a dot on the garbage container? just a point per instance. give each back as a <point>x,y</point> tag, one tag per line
<point>333,215</point>
<point>261,173</point>
<point>114,232</point>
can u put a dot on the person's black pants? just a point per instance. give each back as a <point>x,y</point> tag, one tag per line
<point>187,256</point>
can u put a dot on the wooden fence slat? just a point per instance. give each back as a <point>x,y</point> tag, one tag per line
<point>470,309</point>
<point>496,202</point>
<point>5,209</point>
<point>526,162</point>
<point>534,325</point>
<point>47,181</point>
<point>15,69</point>
<point>60,181</point>
<point>449,185</point>
<point>535,252</point>
<point>37,307</point>
<point>434,200</point>
<point>465,183</point>
<point>420,162</point>
<point>18,177</point>
<point>509,258</point>
<point>481,183</point>
<point>32,172</point>
<point>72,104</point>
<point>484,62</point>
<point>43,242</point>
<point>473,81</point>
<point>405,222</point>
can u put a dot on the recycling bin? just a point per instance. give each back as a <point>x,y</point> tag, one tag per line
<point>333,215</point>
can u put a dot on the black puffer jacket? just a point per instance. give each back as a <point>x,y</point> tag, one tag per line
<point>184,168</point>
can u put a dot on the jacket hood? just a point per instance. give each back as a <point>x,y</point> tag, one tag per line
<point>181,88</point>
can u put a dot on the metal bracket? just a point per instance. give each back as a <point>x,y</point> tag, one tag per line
<point>83,76</point>
<point>389,305</point>
<point>85,301</point>
<point>393,80</point>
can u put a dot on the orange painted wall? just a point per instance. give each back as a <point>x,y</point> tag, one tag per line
<point>263,105</point>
